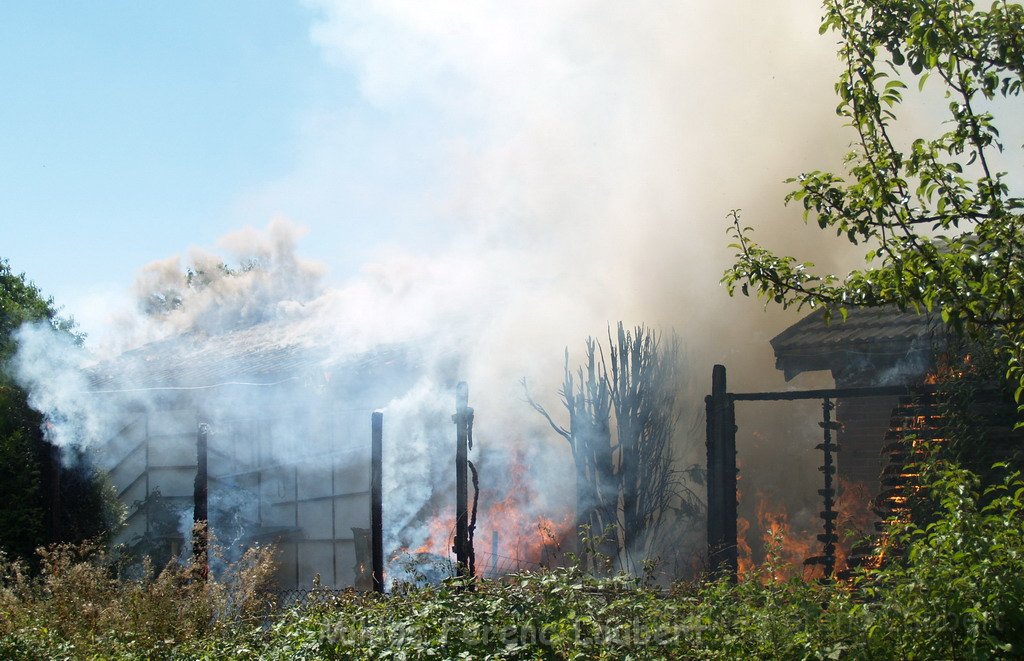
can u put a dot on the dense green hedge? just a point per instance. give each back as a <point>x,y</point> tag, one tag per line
<point>957,592</point>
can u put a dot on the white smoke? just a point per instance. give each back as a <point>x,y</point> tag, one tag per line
<point>51,367</point>
<point>593,149</point>
<point>415,463</point>
<point>260,280</point>
<point>590,151</point>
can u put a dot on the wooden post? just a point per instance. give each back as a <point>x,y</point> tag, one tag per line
<point>461,419</point>
<point>828,514</point>
<point>494,554</point>
<point>713,482</point>
<point>200,502</point>
<point>377,500</point>
<point>721,478</point>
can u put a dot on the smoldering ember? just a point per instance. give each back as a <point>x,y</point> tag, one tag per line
<point>437,330</point>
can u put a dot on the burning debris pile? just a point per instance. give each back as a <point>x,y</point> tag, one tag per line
<point>845,533</point>
<point>794,537</point>
<point>510,538</point>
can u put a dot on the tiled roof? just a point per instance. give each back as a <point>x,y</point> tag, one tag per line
<point>879,334</point>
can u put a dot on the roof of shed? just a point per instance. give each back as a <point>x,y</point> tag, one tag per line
<point>259,353</point>
<point>878,334</point>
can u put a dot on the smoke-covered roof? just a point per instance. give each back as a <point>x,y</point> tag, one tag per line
<point>870,339</point>
<point>261,354</point>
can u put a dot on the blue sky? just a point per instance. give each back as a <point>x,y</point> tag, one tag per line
<point>132,130</point>
<point>127,128</point>
<point>590,148</point>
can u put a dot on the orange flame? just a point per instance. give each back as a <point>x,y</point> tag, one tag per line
<point>797,539</point>
<point>795,546</point>
<point>525,539</point>
<point>745,555</point>
<point>441,536</point>
<point>947,369</point>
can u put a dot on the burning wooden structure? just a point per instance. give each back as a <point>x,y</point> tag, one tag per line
<point>879,359</point>
<point>872,347</point>
<point>722,466</point>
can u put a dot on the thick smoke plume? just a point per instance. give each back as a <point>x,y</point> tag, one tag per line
<point>584,155</point>
<point>261,280</point>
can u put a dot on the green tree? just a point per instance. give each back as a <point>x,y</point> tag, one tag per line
<point>32,477</point>
<point>939,215</point>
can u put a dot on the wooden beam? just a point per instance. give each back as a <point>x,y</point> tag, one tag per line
<point>377,499</point>
<point>721,477</point>
<point>461,419</point>
<point>200,502</point>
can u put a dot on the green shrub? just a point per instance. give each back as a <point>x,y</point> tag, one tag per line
<point>77,607</point>
<point>955,589</point>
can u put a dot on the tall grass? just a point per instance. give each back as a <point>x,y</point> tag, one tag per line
<point>82,604</point>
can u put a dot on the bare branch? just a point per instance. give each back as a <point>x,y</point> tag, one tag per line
<point>560,430</point>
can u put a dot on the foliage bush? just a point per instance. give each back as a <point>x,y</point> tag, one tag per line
<point>79,607</point>
<point>954,590</point>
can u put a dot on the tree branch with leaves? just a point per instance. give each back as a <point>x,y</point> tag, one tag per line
<point>941,222</point>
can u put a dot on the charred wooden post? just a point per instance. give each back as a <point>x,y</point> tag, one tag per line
<point>200,502</point>
<point>471,530</point>
<point>721,477</point>
<point>827,559</point>
<point>377,500</point>
<point>463,420</point>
